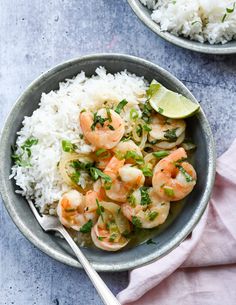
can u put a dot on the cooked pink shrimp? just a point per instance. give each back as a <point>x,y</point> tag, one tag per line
<point>148,214</point>
<point>173,179</point>
<point>124,147</point>
<point>74,210</point>
<point>103,129</point>
<point>167,132</point>
<point>108,233</point>
<point>124,178</point>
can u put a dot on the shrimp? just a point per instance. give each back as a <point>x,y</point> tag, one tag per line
<point>126,146</point>
<point>74,210</point>
<point>124,178</point>
<point>103,129</point>
<point>168,133</point>
<point>110,230</point>
<point>149,214</point>
<point>173,178</point>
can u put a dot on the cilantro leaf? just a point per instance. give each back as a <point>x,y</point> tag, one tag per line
<point>86,228</point>
<point>150,241</point>
<point>183,171</point>
<point>136,222</point>
<point>67,146</point>
<point>120,106</point>
<point>145,199</point>
<point>170,135</point>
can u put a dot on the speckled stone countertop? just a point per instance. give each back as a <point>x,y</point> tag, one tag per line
<point>36,35</point>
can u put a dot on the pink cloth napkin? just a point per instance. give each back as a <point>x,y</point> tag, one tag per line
<point>202,270</point>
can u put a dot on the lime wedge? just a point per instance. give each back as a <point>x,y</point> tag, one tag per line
<point>169,103</point>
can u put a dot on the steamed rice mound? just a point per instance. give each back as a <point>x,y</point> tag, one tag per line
<point>201,20</point>
<point>56,119</point>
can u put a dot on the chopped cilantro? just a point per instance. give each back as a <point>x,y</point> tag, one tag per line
<point>147,128</point>
<point>86,228</point>
<point>160,110</point>
<point>136,222</point>
<point>147,171</point>
<point>161,154</point>
<point>25,147</point>
<point>100,210</point>
<point>145,199</point>
<point>146,112</point>
<point>96,173</point>
<point>150,241</point>
<point>67,146</point>
<point>112,237</point>
<point>78,165</point>
<point>102,153</point>
<point>169,191</point>
<point>97,119</point>
<point>120,106</point>
<point>170,135</point>
<point>132,200</point>
<point>109,115</point>
<point>152,90</point>
<point>134,114</point>
<point>131,154</point>
<point>183,171</point>
<point>152,215</point>
<point>75,177</point>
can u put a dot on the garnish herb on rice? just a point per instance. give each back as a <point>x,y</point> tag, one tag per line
<point>228,11</point>
<point>22,159</point>
<point>67,146</point>
<point>120,106</point>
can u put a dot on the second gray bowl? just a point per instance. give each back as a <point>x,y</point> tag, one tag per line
<point>144,14</point>
<point>167,240</point>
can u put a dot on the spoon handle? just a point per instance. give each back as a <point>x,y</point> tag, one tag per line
<point>105,293</point>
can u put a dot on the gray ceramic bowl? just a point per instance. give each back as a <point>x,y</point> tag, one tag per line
<point>128,258</point>
<point>144,15</point>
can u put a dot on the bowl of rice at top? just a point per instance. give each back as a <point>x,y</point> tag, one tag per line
<point>205,26</point>
<point>51,106</point>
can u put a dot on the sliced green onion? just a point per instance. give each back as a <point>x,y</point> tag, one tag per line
<point>161,154</point>
<point>134,114</point>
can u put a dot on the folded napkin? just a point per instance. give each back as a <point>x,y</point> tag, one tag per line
<point>202,270</point>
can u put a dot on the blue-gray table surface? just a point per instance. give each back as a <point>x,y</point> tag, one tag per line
<point>36,35</point>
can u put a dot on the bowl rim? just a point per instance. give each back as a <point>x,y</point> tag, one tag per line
<point>176,40</point>
<point>156,254</point>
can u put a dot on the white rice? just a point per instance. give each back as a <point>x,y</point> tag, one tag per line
<point>201,20</point>
<point>56,119</point>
